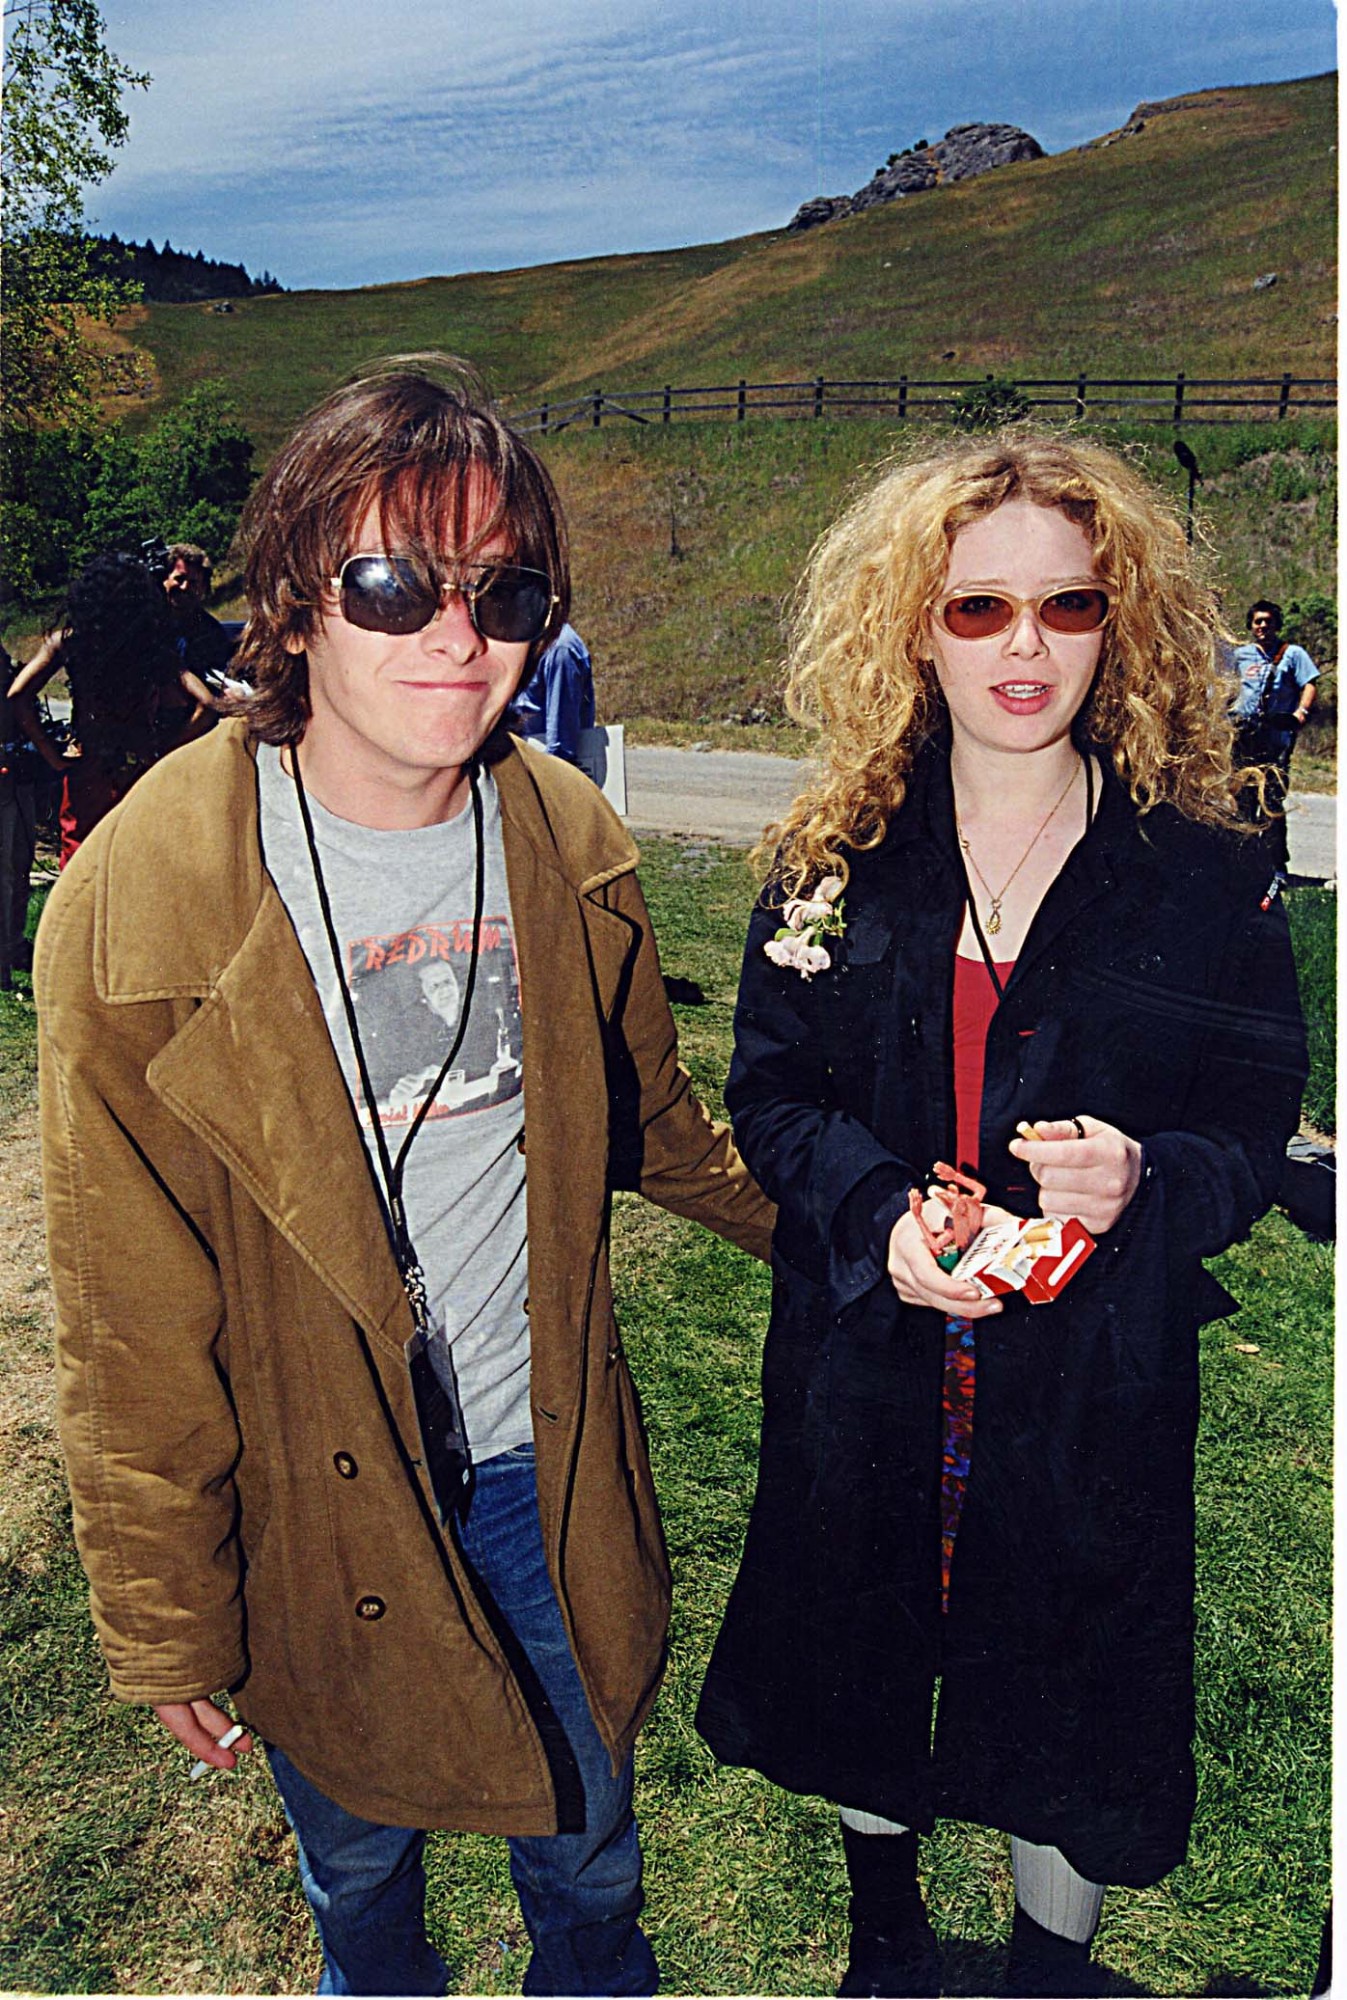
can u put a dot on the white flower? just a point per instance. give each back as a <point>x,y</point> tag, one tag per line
<point>804,920</point>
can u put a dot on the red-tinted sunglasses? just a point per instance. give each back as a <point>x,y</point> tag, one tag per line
<point>985,614</point>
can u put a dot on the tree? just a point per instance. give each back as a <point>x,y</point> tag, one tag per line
<point>62,120</point>
<point>185,478</point>
<point>80,488</point>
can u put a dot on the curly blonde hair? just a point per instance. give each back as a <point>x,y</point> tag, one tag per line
<point>859,666</point>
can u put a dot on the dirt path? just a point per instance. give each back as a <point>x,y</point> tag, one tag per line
<point>29,1458</point>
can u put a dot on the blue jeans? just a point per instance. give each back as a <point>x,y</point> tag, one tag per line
<point>579,1891</point>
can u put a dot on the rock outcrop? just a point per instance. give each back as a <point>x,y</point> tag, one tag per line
<point>964,151</point>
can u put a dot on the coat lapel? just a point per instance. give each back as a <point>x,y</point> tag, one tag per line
<point>255,1076</point>
<point>571,951</point>
<point>252,1070</point>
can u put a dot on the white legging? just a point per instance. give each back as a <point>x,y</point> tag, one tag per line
<point>1047,1887</point>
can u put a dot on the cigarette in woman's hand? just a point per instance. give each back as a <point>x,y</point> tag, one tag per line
<point>225,1742</point>
<point>1028,1131</point>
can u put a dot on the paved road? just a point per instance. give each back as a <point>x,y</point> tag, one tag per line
<point>731,795</point>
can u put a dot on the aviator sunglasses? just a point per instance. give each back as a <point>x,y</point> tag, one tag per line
<point>985,614</point>
<point>382,593</point>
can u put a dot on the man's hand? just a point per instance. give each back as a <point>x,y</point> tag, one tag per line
<point>1084,1168</point>
<point>198,1726</point>
<point>919,1280</point>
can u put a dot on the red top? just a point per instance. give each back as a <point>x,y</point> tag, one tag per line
<point>974,1004</point>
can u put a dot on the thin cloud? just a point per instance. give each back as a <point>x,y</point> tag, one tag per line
<point>337,147</point>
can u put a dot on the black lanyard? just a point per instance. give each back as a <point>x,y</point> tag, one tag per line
<point>971,901</point>
<point>413,1277</point>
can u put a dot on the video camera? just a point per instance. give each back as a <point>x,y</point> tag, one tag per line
<point>154,558</point>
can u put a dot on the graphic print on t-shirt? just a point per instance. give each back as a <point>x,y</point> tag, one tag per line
<point>409,990</point>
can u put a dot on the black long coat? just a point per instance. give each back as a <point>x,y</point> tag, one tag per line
<point>1153,992</point>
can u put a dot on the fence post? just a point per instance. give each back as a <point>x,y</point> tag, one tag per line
<point>902,399</point>
<point>544,418</point>
<point>743,400</point>
<point>668,398</point>
<point>1080,395</point>
<point>1285,398</point>
<point>818,395</point>
<point>1178,397</point>
<point>597,418</point>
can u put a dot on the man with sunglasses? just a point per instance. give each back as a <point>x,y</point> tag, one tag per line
<point>350,1431</point>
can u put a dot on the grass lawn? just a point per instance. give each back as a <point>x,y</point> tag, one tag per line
<point>120,1877</point>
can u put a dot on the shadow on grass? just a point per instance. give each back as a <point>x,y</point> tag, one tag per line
<point>969,1968</point>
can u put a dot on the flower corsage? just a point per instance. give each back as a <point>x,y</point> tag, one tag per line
<point>805,920</point>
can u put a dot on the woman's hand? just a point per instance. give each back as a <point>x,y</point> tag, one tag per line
<point>919,1280</point>
<point>1083,1167</point>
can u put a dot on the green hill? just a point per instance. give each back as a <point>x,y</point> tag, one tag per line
<point>1131,257</point>
<point>1134,256</point>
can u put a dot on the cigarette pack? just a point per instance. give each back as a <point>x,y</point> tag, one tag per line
<point>1037,1255</point>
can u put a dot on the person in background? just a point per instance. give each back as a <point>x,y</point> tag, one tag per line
<point>203,646</point>
<point>189,697</point>
<point>18,832</point>
<point>557,700</point>
<point>114,644</point>
<point>1274,695</point>
<point>1015,924</point>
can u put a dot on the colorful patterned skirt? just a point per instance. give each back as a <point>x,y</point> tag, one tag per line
<point>958,1440</point>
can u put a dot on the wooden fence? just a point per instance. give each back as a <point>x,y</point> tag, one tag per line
<point>1170,399</point>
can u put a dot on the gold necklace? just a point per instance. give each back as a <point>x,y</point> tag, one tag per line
<point>997,896</point>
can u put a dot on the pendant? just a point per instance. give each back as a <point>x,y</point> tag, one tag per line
<point>994,921</point>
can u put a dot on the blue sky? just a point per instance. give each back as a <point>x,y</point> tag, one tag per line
<point>337,144</point>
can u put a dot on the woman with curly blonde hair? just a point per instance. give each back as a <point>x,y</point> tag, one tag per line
<point>1013,925</point>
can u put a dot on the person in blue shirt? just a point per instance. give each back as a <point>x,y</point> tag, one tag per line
<point>1274,694</point>
<point>557,700</point>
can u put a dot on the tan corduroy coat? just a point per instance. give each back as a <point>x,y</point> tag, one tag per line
<point>234,1401</point>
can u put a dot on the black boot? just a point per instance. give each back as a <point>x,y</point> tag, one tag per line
<point>1046,1966</point>
<point>893,1948</point>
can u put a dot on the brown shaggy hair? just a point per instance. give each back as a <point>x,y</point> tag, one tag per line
<point>417,437</point>
<point>859,666</point>
<point>192,555</point>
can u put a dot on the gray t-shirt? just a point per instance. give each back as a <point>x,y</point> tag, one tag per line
<point>402,903</point>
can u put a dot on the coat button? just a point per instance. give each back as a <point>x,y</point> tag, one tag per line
<point>526,1309</point>
<point>370,1608</point>
<point>519,1143</point>
<point>345,1464</point>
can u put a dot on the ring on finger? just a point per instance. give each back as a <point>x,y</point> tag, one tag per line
<point>1080,1129</point>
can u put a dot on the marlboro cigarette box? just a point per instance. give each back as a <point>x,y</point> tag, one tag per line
<point>1037,1255</point>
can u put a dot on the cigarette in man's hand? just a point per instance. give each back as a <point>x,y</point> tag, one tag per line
<point>225,1742</point>
<point>1028,1131</point>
